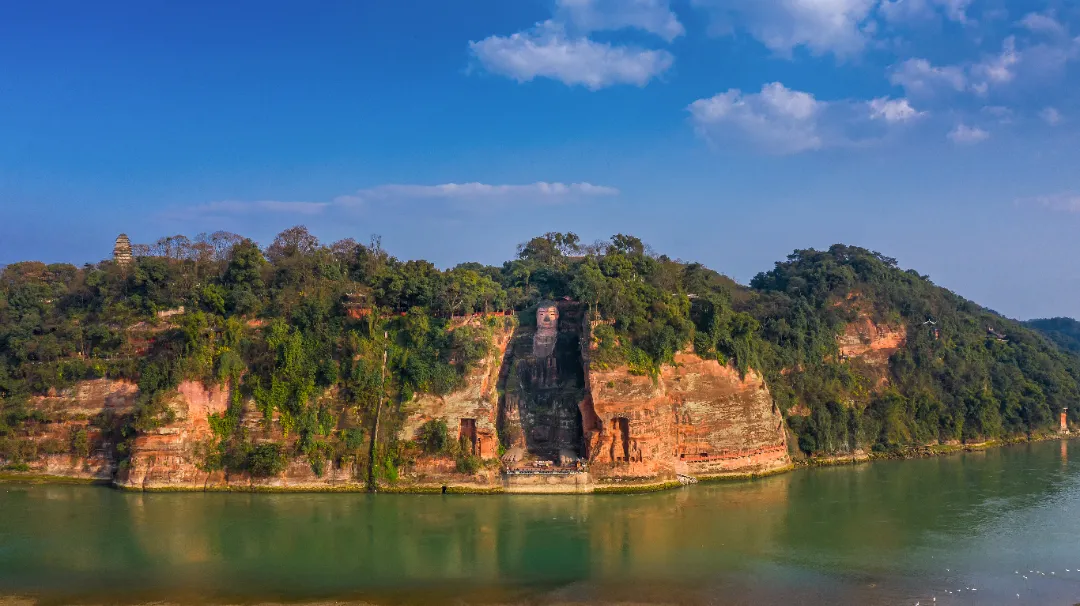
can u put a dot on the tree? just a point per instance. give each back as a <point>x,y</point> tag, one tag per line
<point>296,240</point>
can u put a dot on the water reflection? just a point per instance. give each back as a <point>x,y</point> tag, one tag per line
<point>871,534</point>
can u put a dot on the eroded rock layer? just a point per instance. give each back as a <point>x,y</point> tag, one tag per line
<point>697,418</point>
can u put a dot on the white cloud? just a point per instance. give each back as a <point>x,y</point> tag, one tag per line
<point>920,77</point>
<point>998,69</point>
<point>547,52</point>
<point>782,121</point>
<point>906,10</point>
<point>561,49</point>
<point>841,27</point>
<point>653,16</point>
<point>777,120</point>
<point>1051,116</point>
<point>1039,23</point>
<point>1064,202</point>
<point>893,110</point>
<point>968,135</point>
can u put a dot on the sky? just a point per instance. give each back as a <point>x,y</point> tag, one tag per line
<point>943,133</point>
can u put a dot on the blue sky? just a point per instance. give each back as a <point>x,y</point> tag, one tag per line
<point>731,132</point>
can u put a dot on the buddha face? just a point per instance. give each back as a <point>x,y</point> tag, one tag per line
<point>547,316</point>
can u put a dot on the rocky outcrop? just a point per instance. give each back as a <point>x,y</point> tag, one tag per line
<point>168,457</point>
<point>74,431</point>
<point>697,418</point>
<point>870,342</point>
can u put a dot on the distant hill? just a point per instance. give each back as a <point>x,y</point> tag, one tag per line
<point>1063,331</point>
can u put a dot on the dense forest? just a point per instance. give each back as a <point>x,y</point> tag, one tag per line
<point>1063,331</point>
<point>285,324</point>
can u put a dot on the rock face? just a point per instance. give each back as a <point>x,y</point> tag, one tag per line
<point>868,345</point>
<point>168,457</point>
<point>871,342</point>
<point>471,415</point>
<point>698,418</point>
<point>75,434</point>
<point>567,425</point>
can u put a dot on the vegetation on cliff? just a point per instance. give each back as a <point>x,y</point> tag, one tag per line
<point>300,329</point>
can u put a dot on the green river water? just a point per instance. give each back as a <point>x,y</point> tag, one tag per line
<point>884,533</point>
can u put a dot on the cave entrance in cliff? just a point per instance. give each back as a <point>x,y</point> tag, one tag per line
<point>467,435</point>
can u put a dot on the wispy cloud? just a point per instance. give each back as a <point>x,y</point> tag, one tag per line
<point>920,77</point>
<point>241,207</point>
<point>967,135</point>
<point>1068,202</point>
<point>546,51</point>
<point>479,192</point>
<point>652,16</point>
<point>1041,23</point>
<point>1016,63</point>
<point>840,27</point>
<point>908,10</point>
<point>996,69</point>
<point>1051,116</point>
<point>461,194</point>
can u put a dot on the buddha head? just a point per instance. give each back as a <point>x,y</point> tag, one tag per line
<point>547,316</point>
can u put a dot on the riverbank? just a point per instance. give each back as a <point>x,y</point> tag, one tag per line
<point>590,487</point>
<point>926,451</point>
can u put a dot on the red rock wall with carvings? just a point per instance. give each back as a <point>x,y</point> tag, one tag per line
<point>696,418</point>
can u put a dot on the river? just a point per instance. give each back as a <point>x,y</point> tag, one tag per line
<point>963,529</point>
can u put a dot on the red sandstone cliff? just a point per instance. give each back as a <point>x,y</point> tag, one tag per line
<point>697,418</point>
<point>868,344</point>
<point>470,413</point>
<point>168,457</point>
<point>74,434</point>
<point>871,342</point>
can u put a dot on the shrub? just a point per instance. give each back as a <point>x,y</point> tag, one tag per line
<point>434,436</point>
<point>469,464</point>
<point>266,460</point>
<point>80,442</point>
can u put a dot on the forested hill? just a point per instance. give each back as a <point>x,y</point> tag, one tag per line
<point>1063,331</point>
<point>286,322</point>
<point>962,372</point>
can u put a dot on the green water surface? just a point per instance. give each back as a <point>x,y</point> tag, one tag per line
<point>884,533</point>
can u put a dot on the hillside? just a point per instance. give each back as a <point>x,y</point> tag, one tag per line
<point>952,370</point>
<point>288,355</point>
<point>1063,331</point>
